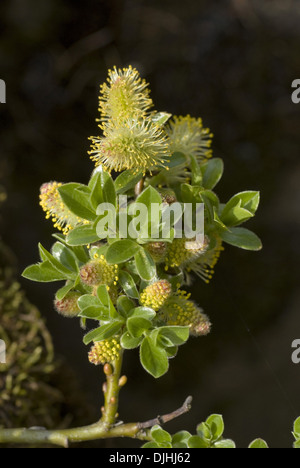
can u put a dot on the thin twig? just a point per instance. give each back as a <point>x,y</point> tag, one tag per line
<point>160,420</point>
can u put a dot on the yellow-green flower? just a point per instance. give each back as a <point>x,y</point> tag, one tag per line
<point>124,96</point>
<point>188,136</point>
<point>198,258</point>
<point>182,252</point>
<point>180,311</point>
<point>51,202</point>
<point>156,294</point>
<point>203,265</point>
<point>106,351</point>
<point>139,145</point>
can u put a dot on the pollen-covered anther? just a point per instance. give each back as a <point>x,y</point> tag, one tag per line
<point>105,353</point>
<point>124,95</point>
<point>134,144</point>
<point>51,202</point>
<point>188,136</point>
<point>156,294</point>
<point>98,271</point>
<point>68,306</point>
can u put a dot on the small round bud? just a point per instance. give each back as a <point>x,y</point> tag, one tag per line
<point>123,381</point>
<point>156,294</point>
<point>68,307</point>
<point>108,370</point>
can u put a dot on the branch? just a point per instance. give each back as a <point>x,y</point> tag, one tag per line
<point>160,420</point>
<point>94,432</point>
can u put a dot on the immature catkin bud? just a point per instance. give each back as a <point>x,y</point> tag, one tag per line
<point>105,352</point>
<point>180,311</point>
<point>98,271</point>
<point>156,294</point>
<point>68,307</point>
<point>157,250</point>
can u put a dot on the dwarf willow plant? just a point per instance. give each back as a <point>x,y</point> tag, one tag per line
<point>129,292</point>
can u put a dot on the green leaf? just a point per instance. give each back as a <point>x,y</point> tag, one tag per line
<point>87,300</point>
<point>153,359</point>
<point>240,208</point>
<point>62,292</point>
<point>258,444</point>
<point>160,118</point>
<point>196,171</point>
<point>127,180</point>
<point>172,351</point>
<point>77,198</point>
<point>128,284</point>
<point>145,312</point>
<point>65,256</point>
<point>145,265</point>
<point>159,435</point>
<point>102,188</point>
<point>128,342</point>
<point>225,444</point>
<point>177,159</point>
<point>150,445</point>
<point>121,251</point>
<point>80,252</point>
<point>181,437</point>
<point>43,273</point>
<point>148,197</point>
<point>82,235</point>
<point>204,431</point>
<point>242,238</point>
<point>198,442</point>
<point>216,424</point>
<point>104,297</point>
<point>175,334</point>
<point>297,444</point>
<point>45,255</point>
<point>191,194</point>
<point>103,333</point>
<point>125,306</point>
<point>95,312</point>
<point>212,172</point>
<point>137,326</point>
<point>297,428</point>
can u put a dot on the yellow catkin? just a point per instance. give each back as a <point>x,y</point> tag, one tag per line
<point>156,294</point>
<point>51,202</point>
<point>104,352</point>
<point>98,271</point>
<point>179,310</point>
<point>188,136</point>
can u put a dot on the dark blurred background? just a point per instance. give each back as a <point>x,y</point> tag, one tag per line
<point>230,62</point>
